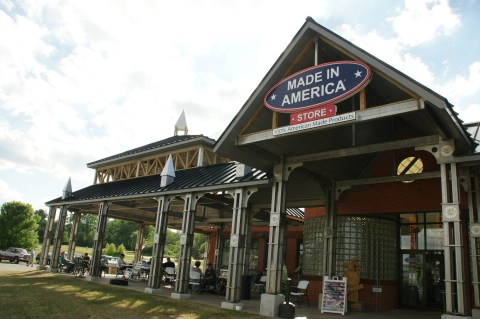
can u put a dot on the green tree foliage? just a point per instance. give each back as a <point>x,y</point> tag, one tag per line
<point>198,241</point>
<point>86,230</point>
<point>110,250</point>
<point>41,216</point>
<point>18,225</point>
<point>121,232</point>
<point>172,246</point>
<point>121,249</point>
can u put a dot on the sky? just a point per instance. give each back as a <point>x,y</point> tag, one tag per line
<point>83,80</point>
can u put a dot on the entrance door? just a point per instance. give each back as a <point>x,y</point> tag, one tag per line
<point>413,295</point>
<point>434,284</point>
<point>422,280</point>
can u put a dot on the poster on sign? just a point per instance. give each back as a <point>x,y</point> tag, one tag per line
<point>334,297</point>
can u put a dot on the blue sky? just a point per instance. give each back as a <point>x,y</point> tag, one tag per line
<point>82,80</point>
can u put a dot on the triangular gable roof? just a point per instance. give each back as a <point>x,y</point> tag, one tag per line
<point>438,118</point>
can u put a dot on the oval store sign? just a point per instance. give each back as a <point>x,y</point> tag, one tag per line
<point>319,85</point>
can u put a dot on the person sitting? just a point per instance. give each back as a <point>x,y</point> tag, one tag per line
<point>198,270</point>
<point>122,265</point>
<point>168,263</point>
<point>165,265</point>
<point>209,279</point>
<point>64,262</point>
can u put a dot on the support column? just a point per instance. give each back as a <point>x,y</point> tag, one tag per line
<point>73,235</point>
<point>455,302</point>
<point>159,241</point>
<point>219,245</point>
<point>96,270</point>
<point>47,238</point>
<point>248,242</point>
<point>474,217</point>
<point>236,263</point>
<point>277,237</point>
<point>139,243</point>
<point>186,242</point>
<point>57,242</point>
<point>329,232</point>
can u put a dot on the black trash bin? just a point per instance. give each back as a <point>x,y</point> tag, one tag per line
<point>245,288</point>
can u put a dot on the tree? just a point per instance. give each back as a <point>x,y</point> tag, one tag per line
<point>121,232</point>
<point>18,225</point>
<point>41,216</point>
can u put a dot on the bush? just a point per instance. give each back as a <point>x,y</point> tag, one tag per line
<point>121,249</point>
<point>110,249</point>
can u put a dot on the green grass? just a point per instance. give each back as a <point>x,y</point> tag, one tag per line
<point>37,294</point>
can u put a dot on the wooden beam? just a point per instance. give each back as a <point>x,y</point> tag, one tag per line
<point>366,115</point>
<point>367,149</point>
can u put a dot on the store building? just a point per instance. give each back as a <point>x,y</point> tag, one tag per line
<point>384,168</point>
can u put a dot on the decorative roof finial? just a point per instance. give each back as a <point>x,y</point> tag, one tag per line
<point>168,173</point>
<point>181,124</point>
<point>67,190</point>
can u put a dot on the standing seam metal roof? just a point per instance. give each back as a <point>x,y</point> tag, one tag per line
<point>204,176</point>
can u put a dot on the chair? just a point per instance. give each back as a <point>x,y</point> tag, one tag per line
<point>260,285</point>
<point>301,292</point>
<point>170,274</point>
<point>195,282</point>
<point>136,271</point>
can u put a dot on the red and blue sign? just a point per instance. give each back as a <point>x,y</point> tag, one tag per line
<point>319,85</point>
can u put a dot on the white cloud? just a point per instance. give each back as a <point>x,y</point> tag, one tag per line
<point>420,21</point>
<point>8,194</point>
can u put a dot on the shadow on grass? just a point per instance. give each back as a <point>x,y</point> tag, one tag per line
<point>37,294</point>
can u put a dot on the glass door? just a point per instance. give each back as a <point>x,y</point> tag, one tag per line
<point>434,284</point>
<point>412,280</point>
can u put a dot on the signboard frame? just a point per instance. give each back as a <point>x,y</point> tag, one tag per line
<point>334,298</point>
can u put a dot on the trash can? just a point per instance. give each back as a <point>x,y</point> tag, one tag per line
<point>245,288</point>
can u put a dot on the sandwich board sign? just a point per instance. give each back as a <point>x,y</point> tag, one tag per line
<point>334,297</point>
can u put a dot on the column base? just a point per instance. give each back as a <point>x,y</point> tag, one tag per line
<point>92,278</point>
<point>40,267</point>
<point>176,295</point>
<point>154,291</point>
<point>269,304</point>
<point>476,313</point>
<point>231,305</point>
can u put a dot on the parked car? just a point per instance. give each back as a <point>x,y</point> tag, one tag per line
<point>15,255</point>
<point>49,258</point>
<point>110,261</point>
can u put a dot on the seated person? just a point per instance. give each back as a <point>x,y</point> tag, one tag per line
<point>168,263</point>
<point>209,279</point>
<point>197,269</point>
<point>63,261</point>
<point>122,265</point>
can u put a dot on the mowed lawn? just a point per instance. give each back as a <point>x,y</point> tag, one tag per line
<point>38,294</point>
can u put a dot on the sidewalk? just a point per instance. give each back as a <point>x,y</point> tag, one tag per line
<point>302,312</point>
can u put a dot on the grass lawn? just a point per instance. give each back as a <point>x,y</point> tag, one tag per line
<point>38,294</point>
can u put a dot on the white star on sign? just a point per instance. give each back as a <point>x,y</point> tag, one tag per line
<point>273,97</point>
<point>358,73</point>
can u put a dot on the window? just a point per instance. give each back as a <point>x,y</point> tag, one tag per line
<point>410,165</point>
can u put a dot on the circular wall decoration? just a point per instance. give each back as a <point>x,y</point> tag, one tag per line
<point>475,230</point>
<point>450,212</point>
<point>446,150</point>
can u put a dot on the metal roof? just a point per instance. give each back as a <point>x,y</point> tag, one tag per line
<point>170,143</point>
<point>212,177</point>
